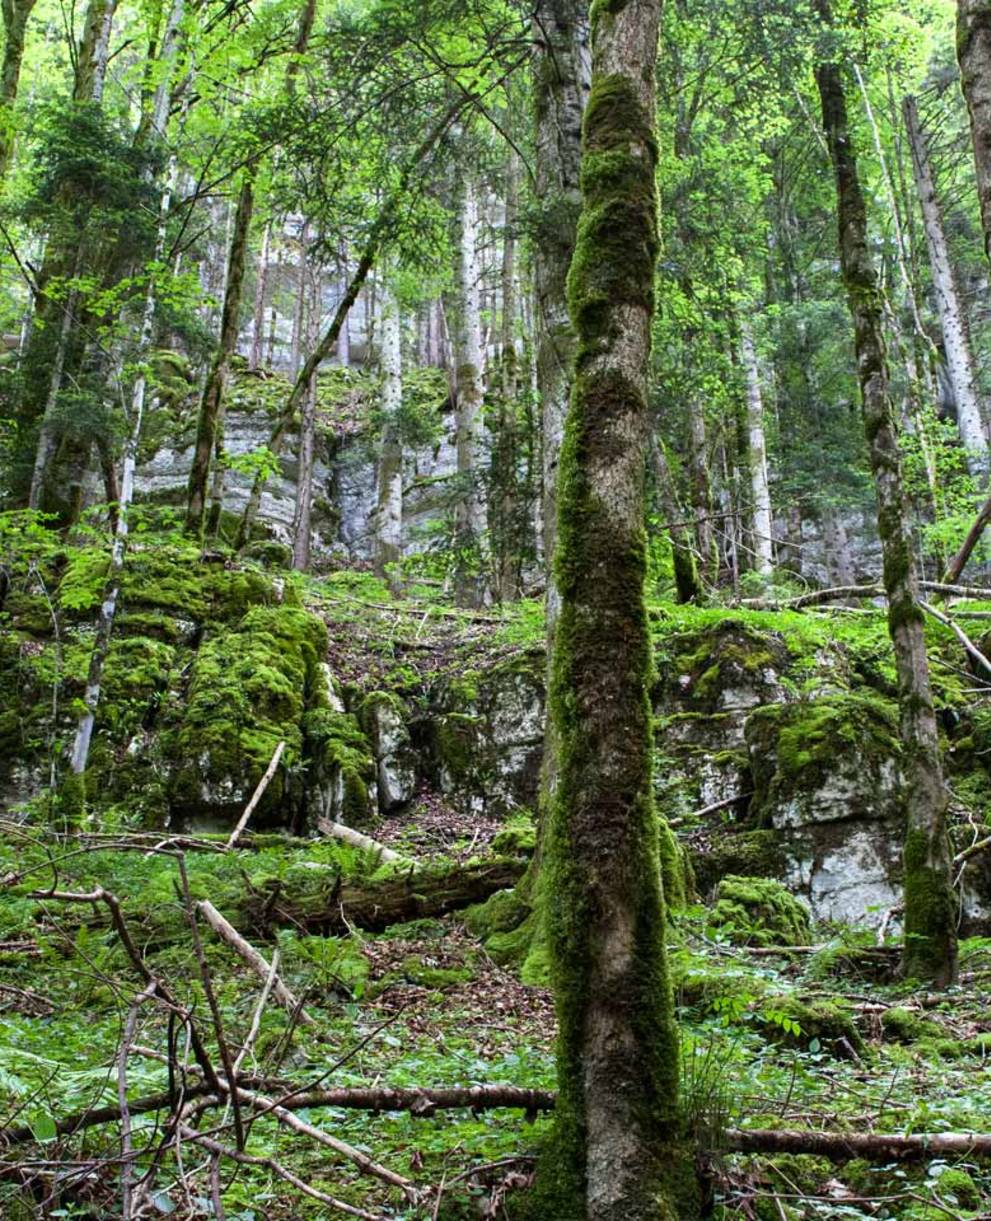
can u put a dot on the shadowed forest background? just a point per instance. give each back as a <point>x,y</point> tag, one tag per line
<point>495,611</point>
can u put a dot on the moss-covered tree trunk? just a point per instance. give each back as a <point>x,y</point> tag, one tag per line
<point>930,908</point>
<point>212,399</point>
<point>15,21</point>
<point>974,57</point>
<point>615,1156</point>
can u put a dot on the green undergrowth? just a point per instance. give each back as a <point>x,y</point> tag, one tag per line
<point>768,1040</point>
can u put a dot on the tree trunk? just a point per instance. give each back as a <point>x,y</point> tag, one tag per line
<point>974,56</point>
<point>686,577</point>
<point>703,505</point>
<point>760,493</point>
<point>930,908</point>
<point>258,316</point>
<point>561,69</point>
<point>48,435</point>
<point>307,442</point>
<point>506,519</point>
<point>614,1155</point>
<point>469,509</point>
<point>389,509</point>
<point>296,336</point>
<point>15,20</point>
<point>94,51</point>
<point>952,319</point>
<point>108,609</point>
<point>212,401</point>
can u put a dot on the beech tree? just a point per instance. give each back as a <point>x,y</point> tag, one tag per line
<point>616,1153</point>
<point>930,904</point>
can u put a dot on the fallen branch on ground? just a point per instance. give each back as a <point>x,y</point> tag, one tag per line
<point>337,830</point>
<point>843,1146</point>
<point>247,952</point>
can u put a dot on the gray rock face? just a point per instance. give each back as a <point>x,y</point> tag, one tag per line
<point>486,738</point>
<point>395,760</point>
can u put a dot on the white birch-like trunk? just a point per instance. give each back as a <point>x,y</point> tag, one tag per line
<point>389,509</point>
<point>258,315</point>
<point>469,513</point>
<point>953,322</point>
<point>760,493</point>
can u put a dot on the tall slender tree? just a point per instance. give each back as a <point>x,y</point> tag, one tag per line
<point>930,907</point>
<point>616,1155</point>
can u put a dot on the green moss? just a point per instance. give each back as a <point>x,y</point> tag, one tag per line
<point>907,1025</point>
<point>831,1021</point>
<point>755,854</point>
<point>930,909</point>
<point>249,690</point>
<point>957,1187</point>
<point>758,911</point>
<point>518,836</point>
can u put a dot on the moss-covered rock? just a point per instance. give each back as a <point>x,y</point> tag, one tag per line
<point>759,911</point>
<point>824,760</point>
<point>796,1023</point>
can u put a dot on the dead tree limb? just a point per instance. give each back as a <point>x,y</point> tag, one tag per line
<point>956,565</point>
<point>337,830</point>
<point>247,952</point>
<point>257,795</point>
<point>843,1146</point>
<point>970,648</point>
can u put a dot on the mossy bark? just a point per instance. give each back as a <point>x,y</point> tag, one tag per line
<point>930,906</point>
<point>974,57</point>
<point>212,401</point>
<point>15,20</point>
<point>615,1151</point>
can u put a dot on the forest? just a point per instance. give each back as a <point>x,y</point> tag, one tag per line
<point>495,610</point>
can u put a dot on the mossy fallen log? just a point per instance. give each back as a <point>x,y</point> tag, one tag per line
<point>373,905</point>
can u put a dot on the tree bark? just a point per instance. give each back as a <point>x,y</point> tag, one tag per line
<point>389,508</point>
<point>617,1125</point>
<point>930,908</point>
<point>15,20</point>
<point>469,509</point>
<point>302,518</point>
<point>760,493</point>
<point>974,56</point>
<point>561,67</point>
<point>703,505</point>
<point>258,317</point>
<point>506,518</point>
<point>686,578</point>
<point>212,400</point>
<point>953,322</point>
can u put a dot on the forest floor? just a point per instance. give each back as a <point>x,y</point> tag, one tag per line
<point>818,1037</point>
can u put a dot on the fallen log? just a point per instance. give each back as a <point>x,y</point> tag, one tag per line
<point>843,1146</point>
<point>413,895</point>
<point>420,1102</point>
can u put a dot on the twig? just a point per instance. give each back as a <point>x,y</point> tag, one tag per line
<point>256,1017</point>
<point>247,1159</point>
<point>211,1000</point>
<point>247,952</point>
<point>257,795</point>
